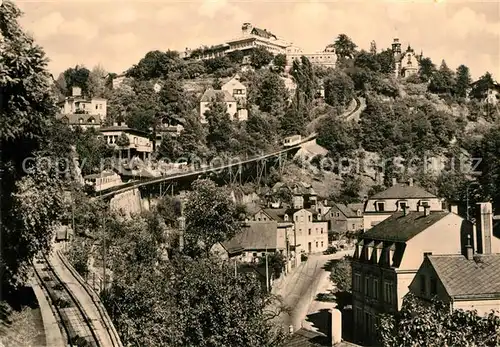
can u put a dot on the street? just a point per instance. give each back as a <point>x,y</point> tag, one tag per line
<point>301,287</point>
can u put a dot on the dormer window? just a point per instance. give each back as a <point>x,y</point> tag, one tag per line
<point>285,218</point>
<point>403,205</point>
<point>380,206</point>
<point>424,203</point>
<point>80,120</point>
<point>358,213</point>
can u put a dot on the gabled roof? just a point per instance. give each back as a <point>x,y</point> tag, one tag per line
<point>75,118</point>
<point>234,83</point>
<point>466,279</point>
<point>404,191</point>
<point>211,95</point>
<point>255,235</point>
<point>277,214</point>
<point>263,33</point>
<point>400,228</point>
<point>307,338</point>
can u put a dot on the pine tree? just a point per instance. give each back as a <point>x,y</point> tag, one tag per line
<point>463,81</point>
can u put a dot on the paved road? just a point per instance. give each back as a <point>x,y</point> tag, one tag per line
<point>300,288</point>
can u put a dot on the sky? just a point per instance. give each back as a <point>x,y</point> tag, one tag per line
<point>118,33</point>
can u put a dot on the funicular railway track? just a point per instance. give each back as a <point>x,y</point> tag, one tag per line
<point>76,326</point>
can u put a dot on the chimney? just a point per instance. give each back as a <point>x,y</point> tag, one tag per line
<point>410,182</point>
<point>469,251</point>
<point>426,210</point>
<point>335,326</point>
<point>484,228</point>
<point>394,181</point>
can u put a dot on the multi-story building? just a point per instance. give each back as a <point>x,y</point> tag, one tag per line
<point>382,205</point>
<point>343,218</point>
<point>251,37</point>
<point>210,96</point>
<point>327,58</point>
<point>407,63</point>
<point>77,110</point>
<point>137,144</point>
<point>388,256</point>
<point>239,92</point>
<point>469,281</point>
<point>304,227</point>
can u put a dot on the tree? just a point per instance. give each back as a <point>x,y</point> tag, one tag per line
<point>443,80</point>
<point>481,86</point>
<point>367,60</point>
<point>236,56</point>
<point>339,90</point>
<point>96,83</point>
<point>294,120</point>
<point>463,81</point>
<point>341,274</point>
<point>434,324</point>
<point>386,61</point>
<point>219,126</point>
<point>92,151</point>
<point>272,95</point>
<point>338,136</point>
<point>349,190</point>
<point>210,217</point>
<point>279,62</point>
<point>276,262</point>
<point>303,74</point>
<point>426,69</point>
<point>31,201</point>
<point>260,57</point>
<point>344,47</point>
<point>77,77</point>
<point>156,64</point>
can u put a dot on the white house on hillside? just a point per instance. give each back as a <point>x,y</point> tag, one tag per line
<point>77,110</point>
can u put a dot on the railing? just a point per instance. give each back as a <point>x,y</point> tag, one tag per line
<point>136,184</point>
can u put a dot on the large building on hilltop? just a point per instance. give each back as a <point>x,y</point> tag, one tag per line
<point>407,63</point>
<point>250,37</point>
<point>326,58</point>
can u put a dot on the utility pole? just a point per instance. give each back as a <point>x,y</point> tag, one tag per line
<point>267,273</point>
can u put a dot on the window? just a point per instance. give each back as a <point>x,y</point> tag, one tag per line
<point>375,288</point>
<point>258,219</point>
<point>263,254</point>
<point>309,231</point>
<point>337,214</point>
<point>100,106</point>
<point>321,243</point>
<point>136,141</point>
<point>296,218</point>
<point>285,218</point>
<point>357,282</point>
<point>80,120</point>
<point>367,286</point>
<point>316,244</point>
<point>322,230</point>
<point>380,207</point>
<point>230,105</point>
<point>422,285</point>
<point>316,230</point>
<point>353,226</point>
<point>402,205</point>
<point>309,218</point>
<point>433,286</point>
<point>96,107</point>
<point>388,292</point>
<point>255,254</point>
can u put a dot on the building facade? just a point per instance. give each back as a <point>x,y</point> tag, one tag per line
<point>222,96</point>
<point>407,63</point>
<point>327,58</point>
<point>77,110</point>
<point>394,199</point>
<point>469,281</point>
<point>388,256</point>
<point>139,144</point>
<point>343,218</point>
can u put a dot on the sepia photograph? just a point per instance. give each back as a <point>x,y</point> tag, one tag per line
<point>250,173</point>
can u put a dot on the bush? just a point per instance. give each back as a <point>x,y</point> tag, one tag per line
<point>303,257</point>
<point>341,274</point>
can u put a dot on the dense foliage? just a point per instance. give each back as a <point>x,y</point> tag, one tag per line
<point>31,200</point>
<point>433,324</point>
